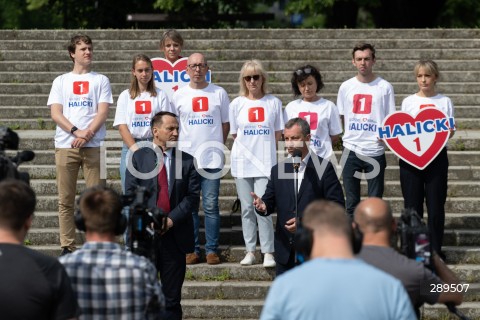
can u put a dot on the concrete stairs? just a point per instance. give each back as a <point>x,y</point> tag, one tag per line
<point>31,59</point>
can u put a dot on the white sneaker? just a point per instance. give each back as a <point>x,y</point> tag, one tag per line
<point>268,260</point>
<point>248,260</point>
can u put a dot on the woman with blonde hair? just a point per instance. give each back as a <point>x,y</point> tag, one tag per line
<point>256,124</point>
<point>429,184</point>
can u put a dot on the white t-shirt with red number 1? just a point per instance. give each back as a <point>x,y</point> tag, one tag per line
<point>413,104</point>
<point>79,95</point>
<point>254,151</point>
<point>364,107</point>
<point>324,120</point>
<point>137,113</point>
<point>201,114</point>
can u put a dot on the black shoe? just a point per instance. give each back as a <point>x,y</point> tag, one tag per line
<point>65,251</point>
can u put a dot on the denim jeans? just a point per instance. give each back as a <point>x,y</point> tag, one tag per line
<point>210,192</point>
<point>123,166</point>
<point>352,184</point>
<point>250,219</point>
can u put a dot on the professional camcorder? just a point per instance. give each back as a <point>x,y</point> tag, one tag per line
<point>8,165</point>
<point>414,238</point>
<point>144,224</point>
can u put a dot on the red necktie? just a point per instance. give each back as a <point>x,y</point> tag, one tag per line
<point>163,201</point>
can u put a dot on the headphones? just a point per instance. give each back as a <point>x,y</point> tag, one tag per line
<point>304,241</point>
<point>120,226</point>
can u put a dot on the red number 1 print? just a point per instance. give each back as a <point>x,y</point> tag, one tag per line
<point>200,104</point>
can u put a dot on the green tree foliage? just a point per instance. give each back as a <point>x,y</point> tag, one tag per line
<point>461,14</point>
<point>206,13</point>
<point>391,13</point>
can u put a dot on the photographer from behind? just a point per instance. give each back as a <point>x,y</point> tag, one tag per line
<point>175,189</point>
<point>110,282</point>
<point>375,220</point>
<point>33,285</point>
<point>332,284</point>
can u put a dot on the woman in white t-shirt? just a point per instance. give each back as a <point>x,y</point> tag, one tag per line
<point>135,108</point>
<point>431,182</point>
<point>256,124</point>
<point>321,114</point>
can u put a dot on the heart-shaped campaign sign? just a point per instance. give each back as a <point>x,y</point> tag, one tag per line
<point>171,77</point>
<point>417,140</point>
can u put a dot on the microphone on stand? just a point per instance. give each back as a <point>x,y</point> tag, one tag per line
<point>296,158</point>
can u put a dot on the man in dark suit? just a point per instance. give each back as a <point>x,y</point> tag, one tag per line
<point>182,198</point>
<point>317,179</point>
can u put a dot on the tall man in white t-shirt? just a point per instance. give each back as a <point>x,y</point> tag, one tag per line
<point>202,109</point>
<point>79,102</point>
<point>363,102</point>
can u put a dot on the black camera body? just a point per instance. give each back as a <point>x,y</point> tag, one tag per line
<point>8,165</point>
<point>415,238</point>
<point>144,224</point>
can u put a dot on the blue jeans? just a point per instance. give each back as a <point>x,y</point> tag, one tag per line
<point>210,191</point>
<point>352,184</point>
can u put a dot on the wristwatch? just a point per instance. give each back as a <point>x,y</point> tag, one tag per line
<point>73,129</point>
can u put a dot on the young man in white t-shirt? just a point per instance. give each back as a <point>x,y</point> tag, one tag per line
<point>78,102</point>
<point>363,102</point>
<point>202,109</point>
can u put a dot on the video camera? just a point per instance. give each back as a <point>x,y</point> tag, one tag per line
<point>143,224</point>
<point>8,165</point>
<point>414,238</point>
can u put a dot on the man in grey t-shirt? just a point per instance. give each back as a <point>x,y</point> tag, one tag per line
<point>375,220</point>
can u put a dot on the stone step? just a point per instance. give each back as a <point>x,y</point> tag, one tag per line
<point>190,34</point>
<point>47,157</point>
<point>232,87</point>
<point>463,221</point>
<point>40,100</point>
<point>36,113</point>
<point>207,309</point>
<point>453,204</point>
<point>50,236</point>
<point>227,187</point>
<point>266,43</point>
<point>203,309</point>
<point>42,140</point>
<point>455,254</point>
<point>223,290</point>
<point>222,309</point>
<point>49,186</point>
<point>280,54</point>
<point>391,172</point>
<point>342,64</point>
<point>234,236</point>
<point>235,290</point>
<point>226,309</point>
<point>231,76</point>
<point>439,311</point>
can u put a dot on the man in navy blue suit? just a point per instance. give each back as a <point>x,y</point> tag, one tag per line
<point>174,185</point>
<point>317,179</point>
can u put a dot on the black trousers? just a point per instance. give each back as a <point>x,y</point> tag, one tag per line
<point>429,184</point>
<point>282,268</point>
<point>172,267</point>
